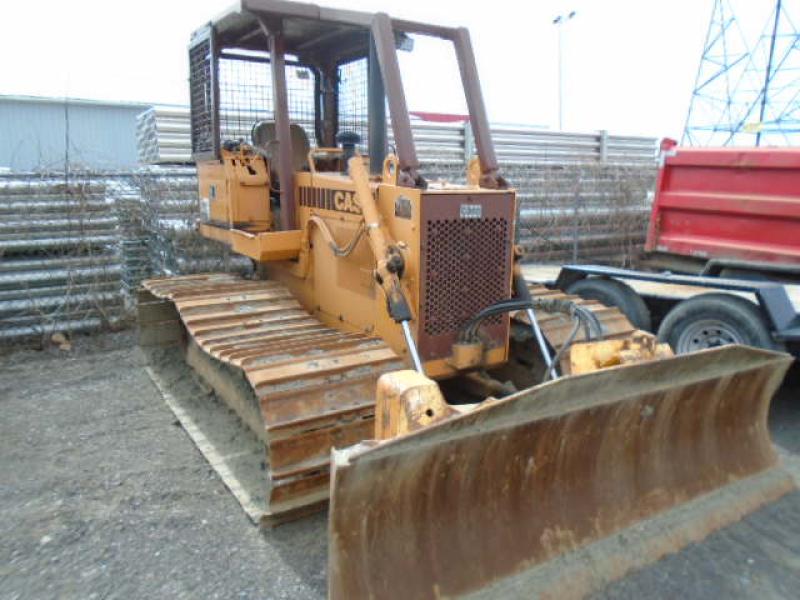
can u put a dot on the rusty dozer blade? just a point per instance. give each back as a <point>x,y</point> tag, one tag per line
<point>558,489</point>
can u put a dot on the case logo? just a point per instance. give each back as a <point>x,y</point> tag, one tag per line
<point>345,201</point>
<point>327,199</point>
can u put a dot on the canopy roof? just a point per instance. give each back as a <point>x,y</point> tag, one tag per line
<point>310,31</point>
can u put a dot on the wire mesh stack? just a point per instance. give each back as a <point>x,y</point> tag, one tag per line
<point>581,212</point>
<point>170,209</point>
<point>584,212</point>
<point>72,250</point>
<point>60,267</point>
<point>126,196</point>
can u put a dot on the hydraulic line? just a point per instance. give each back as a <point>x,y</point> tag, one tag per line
<point>591,324</point>
<point>581,316</point>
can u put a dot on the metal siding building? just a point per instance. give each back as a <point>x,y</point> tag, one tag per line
<point>34,133</point>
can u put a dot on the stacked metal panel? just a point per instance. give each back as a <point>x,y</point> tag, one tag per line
<point>162,135</point>
<point>582,212</point>
<point>521,145</point>
<point>60,263</point>
<point>436,143</point>
<point>448,143</point>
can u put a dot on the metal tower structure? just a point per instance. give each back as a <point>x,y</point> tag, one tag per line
<point>742,96</point>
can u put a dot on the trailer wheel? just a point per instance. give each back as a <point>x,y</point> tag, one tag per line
<point>614,293</point>
<point>712,320</point>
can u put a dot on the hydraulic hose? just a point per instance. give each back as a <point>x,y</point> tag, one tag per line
<point>581,316</point>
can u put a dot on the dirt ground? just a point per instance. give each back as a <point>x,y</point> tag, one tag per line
<point>102,495</point>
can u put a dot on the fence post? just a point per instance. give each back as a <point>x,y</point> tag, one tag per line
<point>603,146</point>
<point>469,142</point>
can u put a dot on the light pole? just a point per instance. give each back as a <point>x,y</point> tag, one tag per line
<point>559,22</point>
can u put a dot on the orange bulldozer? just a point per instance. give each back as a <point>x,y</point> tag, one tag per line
<point>468,432</point>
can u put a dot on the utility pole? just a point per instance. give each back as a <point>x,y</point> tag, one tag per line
<point>559,22</point>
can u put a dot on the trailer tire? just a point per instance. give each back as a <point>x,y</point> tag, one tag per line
<point>711,320</point>
<point>614,293</point>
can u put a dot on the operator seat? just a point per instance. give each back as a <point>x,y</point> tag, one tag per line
<point>264,136</point>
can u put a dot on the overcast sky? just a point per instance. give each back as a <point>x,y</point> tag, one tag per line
<point>629,65</point>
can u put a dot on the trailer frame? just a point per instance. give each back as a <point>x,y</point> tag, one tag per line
<point>772,297</point>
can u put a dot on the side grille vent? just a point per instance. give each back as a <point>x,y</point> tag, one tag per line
<point>466,271</point>
<point>466,266</point>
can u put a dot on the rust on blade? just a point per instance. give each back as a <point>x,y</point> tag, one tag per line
<point>309,388</point>
<point>479,497</point>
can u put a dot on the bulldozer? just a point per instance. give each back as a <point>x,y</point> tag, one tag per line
<point>468,432</point>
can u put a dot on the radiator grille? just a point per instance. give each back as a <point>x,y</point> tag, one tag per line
<point>467,270</point>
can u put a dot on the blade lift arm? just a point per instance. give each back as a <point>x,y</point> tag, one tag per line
<point>390,263</point>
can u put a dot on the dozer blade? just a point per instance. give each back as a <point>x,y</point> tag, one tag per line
<point>558,489</point>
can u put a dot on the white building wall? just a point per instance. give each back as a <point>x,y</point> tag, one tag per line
<point>44,133</point>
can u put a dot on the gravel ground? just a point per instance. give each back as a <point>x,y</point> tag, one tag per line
<point>102,495</point>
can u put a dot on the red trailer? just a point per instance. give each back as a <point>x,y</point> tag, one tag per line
<point>722,257</point>
<point>727,211</point>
